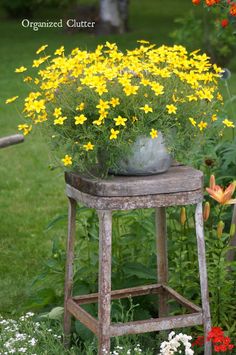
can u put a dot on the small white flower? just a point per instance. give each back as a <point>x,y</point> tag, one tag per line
<point>32,341</point>
<point>29,314</point>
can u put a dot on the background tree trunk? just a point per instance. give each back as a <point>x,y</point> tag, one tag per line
<point>113,16</point>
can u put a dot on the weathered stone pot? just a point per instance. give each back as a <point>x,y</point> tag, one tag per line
<point>148,156</point>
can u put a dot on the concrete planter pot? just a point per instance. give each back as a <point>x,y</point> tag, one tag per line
<point>147,157</point>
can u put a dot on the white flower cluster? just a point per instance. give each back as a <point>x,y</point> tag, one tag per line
<point>23,336</point>
<point>175,343</point>
<point>120,350</point>
<point>13,339</point>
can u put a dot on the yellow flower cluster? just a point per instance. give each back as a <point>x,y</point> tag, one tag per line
<point>104,98</point>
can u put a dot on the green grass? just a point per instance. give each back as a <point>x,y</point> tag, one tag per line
<point>30,194</point>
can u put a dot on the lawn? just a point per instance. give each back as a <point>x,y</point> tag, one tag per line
<point>31,195</point>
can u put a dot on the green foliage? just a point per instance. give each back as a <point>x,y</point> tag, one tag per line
<point>27,8</point>
<point>19,8</point>
<point>202,31</point>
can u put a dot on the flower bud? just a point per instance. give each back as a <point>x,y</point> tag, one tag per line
<point>183,215</point>
<point>212,182</point>
<point>206,211</point>
<point>232,230</point>
<point>220,228</point>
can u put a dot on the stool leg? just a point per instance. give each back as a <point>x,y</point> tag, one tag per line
<point>162,258</point>
<point>203,276</point>
<point>69,269</point>
<point>104,298</point>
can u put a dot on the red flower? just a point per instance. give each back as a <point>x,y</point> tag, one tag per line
<point>221,343</point>
<point>214,333</point>
<point>199,341</point>
<point>211,2</point>
<point>224,22</point>
<point>232,10</point>
<point>196,2</point>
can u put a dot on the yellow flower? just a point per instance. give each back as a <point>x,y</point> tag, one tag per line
<point>202,125</point>
<point>25,128</point>
<point>157,88</point>
<point>110,45</point>
<point>114,134</point>
<point>88,146</point>
<point>80,107</point>
<point>57,112</point>
<point>42,48</point>
<point>114,101</point>
<point>59,121</point>
<point>218,70</point>
<point>80,119</point>
<point>192,98</point>
<point>103,114</point>
<point>103,105</point>
<point>130,90</point>
<point>67,160</point>
<point>134,119</point>
<point>59,51</point>
<point>27,79</point>
<point>142,41</point>
<point>146,108</point>
<point>171,108</point>
<point>20,70</point>
<point>101,89</point>
<point>38,62</point>
<point>154,133</point>
<point>145,82</point>
<point>192,120</point>
<point>214,118</point>
<point>98,122</point>
<point>41,118</point>
<point>219,97</point>
<point>120,121</point>
<point>228,123</point>
<point>36,106</point>
<point>206,94</point>
<point>12,99</point>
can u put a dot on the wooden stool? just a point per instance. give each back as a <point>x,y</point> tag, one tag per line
<point>180,185</point>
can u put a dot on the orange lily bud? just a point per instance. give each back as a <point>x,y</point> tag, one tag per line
<point>220,228</point>
<point>212,182</point>
<point>183,216</point>
<point>232,230</point>
<point>206,211</point>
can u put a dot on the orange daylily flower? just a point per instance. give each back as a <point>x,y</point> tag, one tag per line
<point>219,194</point>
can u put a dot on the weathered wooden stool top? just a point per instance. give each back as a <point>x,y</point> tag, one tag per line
<point>176,179</point>
<point>178,186</point>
